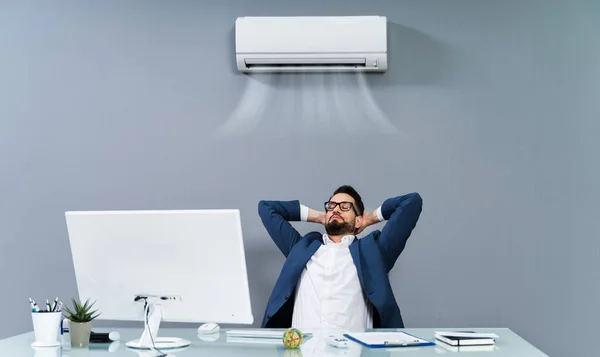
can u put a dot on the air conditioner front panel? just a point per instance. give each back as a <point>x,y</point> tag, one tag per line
<point>316,34</point>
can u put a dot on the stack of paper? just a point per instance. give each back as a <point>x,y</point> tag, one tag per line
<point>466,338</point>
<point>262,336</point>
<point>257,333</point>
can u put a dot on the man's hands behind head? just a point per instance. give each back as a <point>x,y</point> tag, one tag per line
<point>368,219</point>
<point>315,216</point>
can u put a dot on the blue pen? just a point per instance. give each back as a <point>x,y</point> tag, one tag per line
<point>32,305</point>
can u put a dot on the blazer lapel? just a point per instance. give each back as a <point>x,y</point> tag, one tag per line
<point>355,253</point>
<point>311,249</point>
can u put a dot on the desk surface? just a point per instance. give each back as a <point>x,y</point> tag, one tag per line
<point>508,344</point>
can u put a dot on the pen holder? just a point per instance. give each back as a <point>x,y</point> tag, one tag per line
<point>46,328</point>
<point>47,351</point>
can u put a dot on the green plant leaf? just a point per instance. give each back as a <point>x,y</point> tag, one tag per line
<point>81,312</point>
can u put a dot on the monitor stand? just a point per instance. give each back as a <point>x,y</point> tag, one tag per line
<point>149,339</point>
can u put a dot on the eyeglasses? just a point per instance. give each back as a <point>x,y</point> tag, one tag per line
<point>344,206</point>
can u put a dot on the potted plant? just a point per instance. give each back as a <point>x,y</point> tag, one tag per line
<point>80,322</point>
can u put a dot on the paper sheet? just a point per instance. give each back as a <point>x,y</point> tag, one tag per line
<point>466,334</point>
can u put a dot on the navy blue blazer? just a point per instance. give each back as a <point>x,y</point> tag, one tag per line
<point>374,256</point>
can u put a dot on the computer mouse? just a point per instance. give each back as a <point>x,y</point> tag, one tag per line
<point>209,327</point>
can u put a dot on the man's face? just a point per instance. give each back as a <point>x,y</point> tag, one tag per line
<point>341,219</point>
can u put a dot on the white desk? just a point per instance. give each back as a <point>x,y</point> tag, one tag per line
<point>508,344</point>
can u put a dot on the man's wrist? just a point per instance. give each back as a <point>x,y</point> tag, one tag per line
<point>315,216</point>
<point>379,214</point>
<point>310,215</point>
<point>373,217</point>
<point>304,213</point>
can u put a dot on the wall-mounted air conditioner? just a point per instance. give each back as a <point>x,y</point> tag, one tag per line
<point>311,43</point>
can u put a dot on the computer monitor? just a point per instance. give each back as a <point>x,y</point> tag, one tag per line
<point>161,265</point>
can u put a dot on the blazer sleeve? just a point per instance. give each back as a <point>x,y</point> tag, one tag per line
<point>276,217</point>
<point>401,214</point>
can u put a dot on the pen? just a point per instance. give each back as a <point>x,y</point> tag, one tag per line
<point>48,306</point>
<point>54,304</point>
<point>32,305</point>
<point>35,307</point>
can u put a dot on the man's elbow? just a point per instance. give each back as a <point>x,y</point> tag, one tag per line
<point>413,202</point>
<point>415,199</point>
<point>263,208</point>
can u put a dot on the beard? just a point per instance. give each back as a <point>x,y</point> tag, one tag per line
<point>336,228</point>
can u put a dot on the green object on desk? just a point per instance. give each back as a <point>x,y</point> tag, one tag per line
<point>80,325</point>
<point>81,312</point>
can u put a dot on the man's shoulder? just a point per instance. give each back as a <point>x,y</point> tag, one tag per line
<point>370,238</point>
<point>306,241</point>
<point>372,234</point>
<point>313,235</point>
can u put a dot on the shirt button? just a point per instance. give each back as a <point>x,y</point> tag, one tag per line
<point>287,297</point>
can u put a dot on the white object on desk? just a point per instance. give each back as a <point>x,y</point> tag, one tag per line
<point>465,338</point>
<point>254,340</point>
<point>477,348</point>
<point>114,336</point>
<point>46,352</point>
<point>46,328</point>
<point>209,337</point>
<point>256,336</point>
<point>208,328</point>
<point>257,333</point>
<point>170,265</point>
<point>466,334</point>
<point>337,341</point>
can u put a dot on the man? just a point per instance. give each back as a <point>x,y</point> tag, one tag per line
<point>335,280</point>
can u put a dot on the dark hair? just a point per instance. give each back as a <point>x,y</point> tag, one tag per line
<point>349,190</point>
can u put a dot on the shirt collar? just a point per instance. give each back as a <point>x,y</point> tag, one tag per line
<point>346,240</point>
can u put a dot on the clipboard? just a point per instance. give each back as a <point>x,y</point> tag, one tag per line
<point>387,339</point>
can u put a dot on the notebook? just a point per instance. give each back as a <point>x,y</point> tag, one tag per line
<point>465,338</point>
<point>387,339</point>
<point>478,348</point>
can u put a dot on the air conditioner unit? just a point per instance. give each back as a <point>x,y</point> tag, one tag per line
<point>311,43</point>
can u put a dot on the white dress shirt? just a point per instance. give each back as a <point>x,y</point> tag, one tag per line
<point>329,294</point>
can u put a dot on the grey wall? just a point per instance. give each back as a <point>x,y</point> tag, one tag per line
<point>115,105</point>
